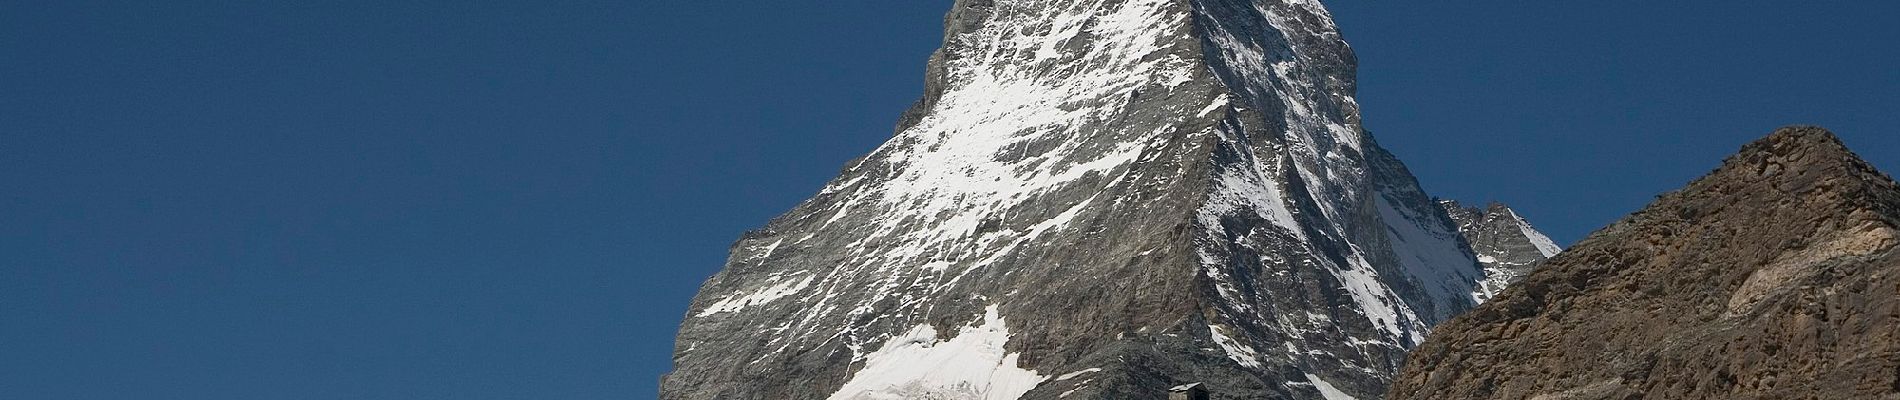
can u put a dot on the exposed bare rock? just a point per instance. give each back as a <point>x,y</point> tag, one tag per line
<point>1774,277</point>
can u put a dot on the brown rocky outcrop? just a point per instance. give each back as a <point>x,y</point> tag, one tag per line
<point>1774,277</point>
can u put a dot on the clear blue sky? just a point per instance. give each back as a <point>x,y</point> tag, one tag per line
<point>515,200</point>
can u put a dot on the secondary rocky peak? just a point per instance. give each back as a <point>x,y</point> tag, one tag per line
<point>1507,244</point>
<point>1775,276</point>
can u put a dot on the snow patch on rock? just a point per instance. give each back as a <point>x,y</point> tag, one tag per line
<point>917,365</point>
<point>1327,390</point>
<point>1240,353</point>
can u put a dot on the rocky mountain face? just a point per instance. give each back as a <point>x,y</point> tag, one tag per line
<point>1097,199</point>
<point>1504,242</point>
<point>1774,277</point>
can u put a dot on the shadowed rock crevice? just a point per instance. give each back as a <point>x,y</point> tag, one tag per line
<point>1896,380</point>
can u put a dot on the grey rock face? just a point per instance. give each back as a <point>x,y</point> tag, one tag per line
<point>1504,242</point>
<point>1777,276</point>
<point>1096,199</point>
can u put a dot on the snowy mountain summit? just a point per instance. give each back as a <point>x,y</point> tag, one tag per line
<point>1097,199</point>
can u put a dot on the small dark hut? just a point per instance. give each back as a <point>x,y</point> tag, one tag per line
<point>1192,391</point>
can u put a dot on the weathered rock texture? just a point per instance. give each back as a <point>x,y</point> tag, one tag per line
<point>1504,242</point>
<point>1775,277</point>
<point>1096,199</point>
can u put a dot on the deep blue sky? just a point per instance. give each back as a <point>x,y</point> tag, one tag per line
<point>516,200</point>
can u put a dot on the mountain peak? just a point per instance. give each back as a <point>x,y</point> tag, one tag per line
<point>1097,199</point>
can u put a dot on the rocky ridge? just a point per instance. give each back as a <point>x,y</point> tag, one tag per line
<point>1773,277</point>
